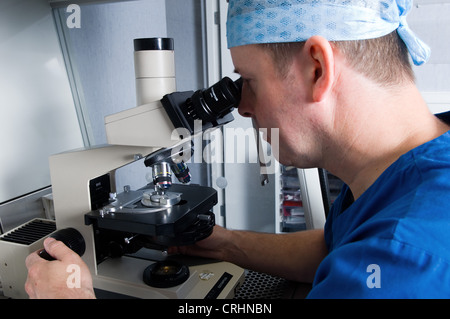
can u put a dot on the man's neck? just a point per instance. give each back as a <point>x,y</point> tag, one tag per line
<point>381,128</point>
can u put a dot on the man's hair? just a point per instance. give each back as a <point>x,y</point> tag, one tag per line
<point>384,60</point>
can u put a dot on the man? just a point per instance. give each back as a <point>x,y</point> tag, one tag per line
<point>334,77</point>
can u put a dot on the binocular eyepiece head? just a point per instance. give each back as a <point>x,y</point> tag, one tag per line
<point>214,102</point>
<point>212,106</point>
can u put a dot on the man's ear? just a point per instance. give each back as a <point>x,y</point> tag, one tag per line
<point>320,54</point>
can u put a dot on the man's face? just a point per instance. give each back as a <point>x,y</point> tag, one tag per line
<point>274,102</point>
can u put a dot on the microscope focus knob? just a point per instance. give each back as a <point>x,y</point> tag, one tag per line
<point>71,237</point>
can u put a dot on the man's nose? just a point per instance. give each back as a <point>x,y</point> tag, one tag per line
<point>244,114</point>
<point>244,107</point>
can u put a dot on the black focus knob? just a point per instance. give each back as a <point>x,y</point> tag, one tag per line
<point>71,237</point>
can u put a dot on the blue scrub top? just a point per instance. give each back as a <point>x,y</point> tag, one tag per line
<point>393,241</point>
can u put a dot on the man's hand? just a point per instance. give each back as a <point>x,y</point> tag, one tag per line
<point>294,256</point>
<point>210,247</point>
<point>66,277</point>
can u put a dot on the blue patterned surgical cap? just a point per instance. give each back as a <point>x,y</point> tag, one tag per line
<point>275,21</point>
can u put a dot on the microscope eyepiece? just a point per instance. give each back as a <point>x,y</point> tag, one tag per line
<point>212,103</point>
<point>212,106</point>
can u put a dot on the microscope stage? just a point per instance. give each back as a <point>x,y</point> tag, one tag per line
<point>178,224</point>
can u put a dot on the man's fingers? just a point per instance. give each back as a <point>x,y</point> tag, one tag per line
<point>57,249</point>
<point>32,259</point>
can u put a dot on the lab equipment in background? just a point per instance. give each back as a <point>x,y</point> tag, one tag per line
<point>291,206</point>
<point>305,198</point>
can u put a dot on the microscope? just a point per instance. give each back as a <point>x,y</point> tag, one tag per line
<point>126,234</point>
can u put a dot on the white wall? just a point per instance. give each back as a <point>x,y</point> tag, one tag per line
<point>37,113</point>
<point>430,20</point>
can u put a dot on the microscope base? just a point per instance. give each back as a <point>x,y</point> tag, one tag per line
<point>206,280</point>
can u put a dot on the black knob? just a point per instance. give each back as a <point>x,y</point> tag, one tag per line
<point>165,274</point>
<point>71,237</point>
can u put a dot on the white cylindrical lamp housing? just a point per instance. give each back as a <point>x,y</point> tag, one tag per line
<point>154,64</point>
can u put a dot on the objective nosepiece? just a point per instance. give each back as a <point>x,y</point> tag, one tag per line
<point>162,176</point>
<point>181,171</point>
